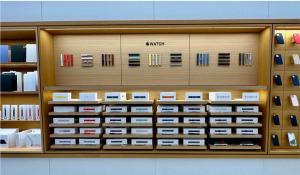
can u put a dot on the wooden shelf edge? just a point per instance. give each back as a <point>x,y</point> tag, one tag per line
<point>203,102</point>
<point>74,102</point>
<point>181,125</point>
<point>20,93</point>
<point>234,102</point>
<point>234,113</point>
<point>180,146</point>
<point>181,113</point>
<point>75,113</point>
<point>178,136</point>
<point>127,124</point>
<point>256,136</point>
<point>234,125</point>
<point>15,150</point>
<point>127,113</point>
<point>127,135</point>
<point>77,135</point>
<point>150,102</point>
<point>129,146</point>
<point>77,146</point>
<point>53,125</point>
<point>234,147</point>
<point>18,65</point>
<point>162,87</point>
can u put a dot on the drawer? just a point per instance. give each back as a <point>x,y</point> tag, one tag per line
<point>278,133</point>
<point>286,124</point>
<point>285,139</point>
<point>272,124</point>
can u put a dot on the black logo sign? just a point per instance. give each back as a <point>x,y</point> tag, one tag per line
<point>155,43</point>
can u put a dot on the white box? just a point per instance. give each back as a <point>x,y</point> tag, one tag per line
<point>168,96</point>
<point>116,108</point>
<point>116,130</point>
<point>167,120</point>
<point>141,131</point>
<point>8,139</point>
<point>167,142</point>
<point>65,130</point>
<point>246,109</point>
<point>250,96</point>
<point>23,112</point>
<point>90,109</point>
<point>37,112</point>
<point>167,131</point>
<point>247,131</point>
<point>220,131</point>
<point>220,96</point>
<point>89,120</point>
<point>63,120</point>
<point>65,108</point>
<point>193,131</point>
<point>167,108</point>
<point>90,130</point>
<point>115,119</point>
<point>61,96</point>
<point>246,120</point>
<point>115,96</point>
<point>21,138</point>
<point>193,96</point>
<point>31,112</point>
<point>193,142</point>
<point>89,141</point>
<point>220,120</point>
<point>140,96</point>
<point>34,139</point>
<point>6,112</point>
<point>29,81</point>
<point>141,120</point>
<point>116,141</point>
<point>31,53</point>
<point>65,141</point>
<point>141,109</point>
<point>195,108</point>
<point>14,112</point>
<point>88,96</point>
<point>219,108</point>
<point>141,141</point>
<point>194,120</point>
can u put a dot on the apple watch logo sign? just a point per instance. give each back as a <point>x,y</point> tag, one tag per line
<point>155,43</point>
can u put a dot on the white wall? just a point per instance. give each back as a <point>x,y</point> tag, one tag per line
<point>61,166</point>
<point>149,10</point>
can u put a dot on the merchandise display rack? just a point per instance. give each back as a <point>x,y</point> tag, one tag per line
<point>245,36</point>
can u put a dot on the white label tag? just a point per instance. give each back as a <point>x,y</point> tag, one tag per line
<point>294,100</point>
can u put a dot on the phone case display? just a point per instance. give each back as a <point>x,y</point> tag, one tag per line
<point>108,59</point>
<point>296,59</point>
<point>4,53</point>
<point>278,80</point>
<point>279,38</point>
<point>296,38</point>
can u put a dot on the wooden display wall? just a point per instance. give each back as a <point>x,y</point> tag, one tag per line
<point>189,73</point>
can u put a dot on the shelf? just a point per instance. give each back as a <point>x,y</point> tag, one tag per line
<point>234,135</point>
<point>181,113</point>
<point>180,146</point>
<point>127,113</point>
<point>234,124</point>
<point>20,93</point>
<point>129,146</point>
<point>235,113</point>
<point>181,102</point>
<point>180,124</point>
<point>77,135</point>
<point>284,151</point>
<point>74,102</point>
<point>233,146</point>
<point>128,135</point>
<point>181,135</point>
<point>56,125</point>
<point>127,124</point>
<point>128,102</point>
<point>75,113</point>
<point>14,149</point>
<point>76,146</point>
<point>20,120</point>
<point>18,65</point>
<point>158,87</point>
<point>233,102</point>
